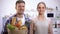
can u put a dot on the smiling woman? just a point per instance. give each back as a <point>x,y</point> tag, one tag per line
<point>41,25</point>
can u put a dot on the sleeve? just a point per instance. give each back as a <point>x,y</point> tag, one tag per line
<point>5,28</point>
<point>27,23</point>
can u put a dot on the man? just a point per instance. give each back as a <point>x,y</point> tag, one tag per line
<point>20,7</point>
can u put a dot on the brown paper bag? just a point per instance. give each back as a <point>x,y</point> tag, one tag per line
<point>16,31</point>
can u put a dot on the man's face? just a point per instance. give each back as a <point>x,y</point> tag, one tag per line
<point>20,7</point>
<point>41,8</point>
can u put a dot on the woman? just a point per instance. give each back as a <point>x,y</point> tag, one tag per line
<point>40,25</point>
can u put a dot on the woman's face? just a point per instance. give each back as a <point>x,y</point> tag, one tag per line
<point>41,8</point>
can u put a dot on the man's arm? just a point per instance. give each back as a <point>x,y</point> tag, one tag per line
<point>5,27</point>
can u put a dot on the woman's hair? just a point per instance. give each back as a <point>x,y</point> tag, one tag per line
<point>41,3</point>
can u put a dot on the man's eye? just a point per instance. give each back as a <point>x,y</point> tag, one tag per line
<point>22,6</point>
<point>19,6</point>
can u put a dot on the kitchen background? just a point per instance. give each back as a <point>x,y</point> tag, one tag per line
<point>7,9</point>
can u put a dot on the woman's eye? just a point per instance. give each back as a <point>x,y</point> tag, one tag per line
<point>39,7</point>
<point>42,7</point>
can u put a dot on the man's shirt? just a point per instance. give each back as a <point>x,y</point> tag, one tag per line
<point>10,20</point>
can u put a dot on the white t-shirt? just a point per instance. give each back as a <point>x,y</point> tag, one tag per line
<point>22,19</point>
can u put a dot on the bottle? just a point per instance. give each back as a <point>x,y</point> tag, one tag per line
<point>13,21</point>
<point>56,8</point>
<point>55,24</point>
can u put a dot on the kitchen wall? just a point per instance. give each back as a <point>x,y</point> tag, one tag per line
<point>7,7</point>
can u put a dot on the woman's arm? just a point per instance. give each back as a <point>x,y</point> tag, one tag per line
<point>50,30</point>
<point>32,28</point>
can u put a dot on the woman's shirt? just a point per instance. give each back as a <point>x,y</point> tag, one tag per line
<point>41,26</point>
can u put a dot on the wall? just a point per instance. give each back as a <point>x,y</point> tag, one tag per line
<point>7,7</point>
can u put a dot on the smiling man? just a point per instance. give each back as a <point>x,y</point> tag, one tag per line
<point>20,8</point>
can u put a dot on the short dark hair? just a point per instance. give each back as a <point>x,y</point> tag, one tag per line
<point>41,3</point>
<point>20,1</point>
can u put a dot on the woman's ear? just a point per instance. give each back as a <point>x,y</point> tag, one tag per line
<point>15,7</point>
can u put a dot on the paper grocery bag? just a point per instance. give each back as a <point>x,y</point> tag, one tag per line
<point>17,31</point>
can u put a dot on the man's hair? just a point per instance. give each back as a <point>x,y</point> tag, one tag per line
<point>41,3</point>
<point>20,1</point>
